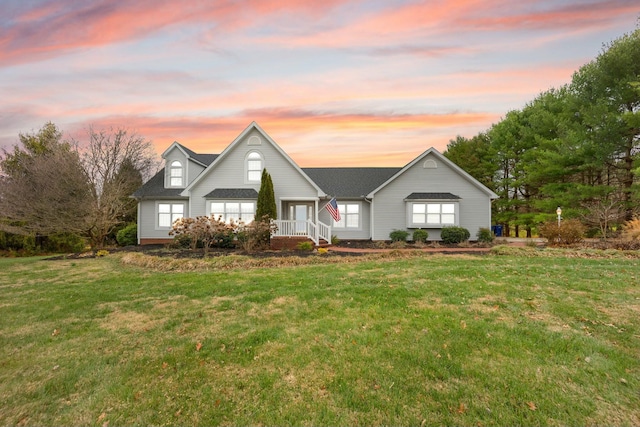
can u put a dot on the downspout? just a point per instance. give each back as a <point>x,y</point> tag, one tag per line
<point>139,222</point>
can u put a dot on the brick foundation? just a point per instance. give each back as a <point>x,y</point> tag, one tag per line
<point>155,241</point>
<point>291,243</point>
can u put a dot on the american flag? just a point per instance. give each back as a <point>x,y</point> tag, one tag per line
<point>332,207</point>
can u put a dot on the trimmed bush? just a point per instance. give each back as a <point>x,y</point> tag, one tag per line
<point>399,235</point>
<point>420,235</point>
<point>484,235</point>
<point>128,236</point>
<point>454,235</point>
<point>570,232</point>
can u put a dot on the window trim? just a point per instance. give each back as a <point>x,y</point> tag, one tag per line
<point>342,207</point>
<point>172,167</point>
<point>247,170</point>
<point>171,205</point>
<point>456,213</point>
<point>225,201</point>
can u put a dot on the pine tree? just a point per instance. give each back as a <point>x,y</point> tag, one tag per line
<point>266,198</point>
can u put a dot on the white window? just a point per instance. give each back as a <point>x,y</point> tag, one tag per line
<point>429,213</point>
<point>349,216</point>
<point>168,213</point>
<point>176,174</point>
<point>254,167</point>
<point>236,211</point>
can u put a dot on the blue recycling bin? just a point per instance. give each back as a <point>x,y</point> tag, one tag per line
<point>497,230</point>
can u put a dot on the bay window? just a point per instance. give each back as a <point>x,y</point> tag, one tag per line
<point>435,214</point>
<point>234,210</point>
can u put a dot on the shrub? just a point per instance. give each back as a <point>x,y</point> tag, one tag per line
<point>305,246</point>
<point>570,232</point>
<point>102,253</point>
<point>398,235</point>
<point>334,239</point>
<point>454,234</point>
<point>420,235</point>
<point>210,231</point>
<point>484,235</point>
<point>323,251</point>
<point>256,235</point>
<point>631,229</point>
<point>128,236</point>
<point>64,242</point>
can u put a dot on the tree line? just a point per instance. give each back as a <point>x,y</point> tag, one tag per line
<point>69,190</point>
<point>575,147</point>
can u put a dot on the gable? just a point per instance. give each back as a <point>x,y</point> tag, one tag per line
<point>230,168</point>
<point>432,165</point>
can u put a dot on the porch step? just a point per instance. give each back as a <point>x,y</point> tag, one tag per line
<point>323,244</point>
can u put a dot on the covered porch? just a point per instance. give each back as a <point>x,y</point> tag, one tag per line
<point>300,220</point>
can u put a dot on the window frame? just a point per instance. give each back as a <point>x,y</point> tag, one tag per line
<point>345,215</point>
<point>432,203</point>
<point>248,170</point>
<point>225,215</point>
<point>171,213</point>
<point>171,176</point>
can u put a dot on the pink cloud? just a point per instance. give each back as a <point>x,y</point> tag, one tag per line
<point>62,26</point>
<point>307,136</point>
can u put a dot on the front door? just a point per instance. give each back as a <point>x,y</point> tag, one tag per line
<point>300,213</point>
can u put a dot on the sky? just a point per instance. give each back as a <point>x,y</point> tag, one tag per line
<point>333,82</point>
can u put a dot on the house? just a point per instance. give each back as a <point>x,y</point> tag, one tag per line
<point>430,192</point>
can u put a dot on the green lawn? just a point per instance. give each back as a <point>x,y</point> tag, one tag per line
<point>414,340</point>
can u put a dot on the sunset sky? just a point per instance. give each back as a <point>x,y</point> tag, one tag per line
<point>333,82</point>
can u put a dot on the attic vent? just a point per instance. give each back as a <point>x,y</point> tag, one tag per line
<point>254,140</point>
<point>430,164</point>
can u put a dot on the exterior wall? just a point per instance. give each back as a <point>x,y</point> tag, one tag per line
<point>193,170</point>
<point>230,172</point>
<point>390,209</point>
<point>362,233</point>
<point>147,221</point>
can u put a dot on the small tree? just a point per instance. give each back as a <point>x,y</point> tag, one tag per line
<point>266,199</point>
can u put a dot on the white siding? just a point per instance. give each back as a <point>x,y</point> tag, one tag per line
<point>390,209</point>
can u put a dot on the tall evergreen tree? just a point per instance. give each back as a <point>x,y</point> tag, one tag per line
<point>266,198</point>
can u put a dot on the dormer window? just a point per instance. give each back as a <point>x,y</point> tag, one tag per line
<point>254,167</point>
<point>176,174</point>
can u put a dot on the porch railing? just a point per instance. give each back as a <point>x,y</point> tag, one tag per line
<point>294,228</point>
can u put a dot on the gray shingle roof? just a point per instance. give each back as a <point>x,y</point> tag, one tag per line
<point>233,193</point>
<point>155,188</point>
<point>205,159</point>
<point>432,196</point>
<point>349,182</point>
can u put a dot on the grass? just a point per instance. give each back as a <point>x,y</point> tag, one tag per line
<point>413,340</point>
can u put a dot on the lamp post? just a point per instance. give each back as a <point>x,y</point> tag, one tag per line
<point>559,213</point>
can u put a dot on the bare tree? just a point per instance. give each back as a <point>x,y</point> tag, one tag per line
<point>116,163</point>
